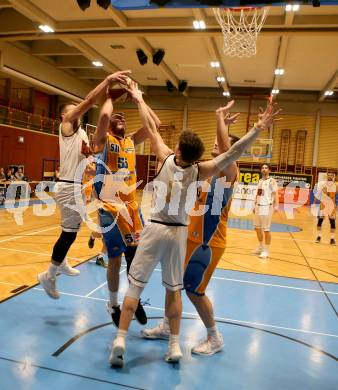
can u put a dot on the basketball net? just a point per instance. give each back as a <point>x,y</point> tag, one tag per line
<point>240,28</point>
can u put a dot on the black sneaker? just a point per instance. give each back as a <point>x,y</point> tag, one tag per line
<point>140,314</point>
<point>91,242</point>
<point>115,313</point>
<point>318,240</point>
<point>333,241</point>
<point>100,261</point>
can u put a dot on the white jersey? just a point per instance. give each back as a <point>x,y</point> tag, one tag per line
<point>175,192</point>
<point>71,153</point>
<point>265,189</point>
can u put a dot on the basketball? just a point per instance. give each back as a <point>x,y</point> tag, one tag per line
<point>118,93</point>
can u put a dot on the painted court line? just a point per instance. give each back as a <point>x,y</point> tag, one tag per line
<point>268,284</point>
<point>100,286</point>
<point>217,318</point>
<point>37,253</point>
<point>29,234</point>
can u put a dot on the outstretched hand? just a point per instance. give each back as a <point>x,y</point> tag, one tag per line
<point>119,77</point>
<point>225,115</point>
<point>133,90</point>
<point>268,117</point>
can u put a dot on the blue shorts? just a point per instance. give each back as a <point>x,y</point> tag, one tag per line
<point>121,234</point>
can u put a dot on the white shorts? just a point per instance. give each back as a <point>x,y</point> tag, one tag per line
<point>160,244</point>
<point>263,217</point>
<point>70,198</point>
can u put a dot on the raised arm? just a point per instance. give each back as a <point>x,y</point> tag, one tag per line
<point>220,163</point>
<point>224,120</point>
<point>92,97</point>
<point>142,134</point>
<point>160,149</point>
<point>103,124</point>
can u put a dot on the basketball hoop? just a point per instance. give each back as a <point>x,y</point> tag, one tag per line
<point>240,28</point>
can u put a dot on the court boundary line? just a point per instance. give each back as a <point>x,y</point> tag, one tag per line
<point>267,284</point>
<point>72,340</point>
<point>216,317</point>
<point>314,274</point>
<point>71,373</point>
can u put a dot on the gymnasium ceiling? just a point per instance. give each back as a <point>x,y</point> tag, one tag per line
<point>304,43</point>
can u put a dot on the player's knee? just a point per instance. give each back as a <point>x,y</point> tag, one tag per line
<point>129,254</point>
<point>332,223</point>
<point>134,291</point>
<point>320,221</point>
<point>62,246</point>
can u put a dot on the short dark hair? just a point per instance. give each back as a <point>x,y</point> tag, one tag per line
<point>63,106</point>
<point>190,146</point>
<point>268,165</point>
<point>233,139</point>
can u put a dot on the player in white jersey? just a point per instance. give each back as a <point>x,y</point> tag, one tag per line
<point>74,147</point>
<point>164,239</point>
<point>266,202</point>
<point>326,193</point>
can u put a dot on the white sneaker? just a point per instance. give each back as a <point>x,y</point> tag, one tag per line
<point>118,350</point>
<point>49,285</point>
<point>66,269</point>
<point>174,354</point>
<point>161,331</point>
<point>209,346</point>
<point>264,255</point>
<point>257,251</point>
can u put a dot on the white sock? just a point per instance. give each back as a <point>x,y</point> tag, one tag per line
<point>121,333</point>
<point>319,234</point>
<point>174,339</point>
<point>52,270</point>
<point>113,296</point>
<point>261,245</point>
<point>332,236</point>
<point>64,263</point>
<point>212,332</point>
<point>267,248</point>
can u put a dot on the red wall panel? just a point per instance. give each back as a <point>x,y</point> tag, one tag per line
<point>31,153</point>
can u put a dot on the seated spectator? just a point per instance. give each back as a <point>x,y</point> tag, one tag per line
<point>9,175</point>
<point>19,174</point>
<point>2,175</point>
<point>57,174</point>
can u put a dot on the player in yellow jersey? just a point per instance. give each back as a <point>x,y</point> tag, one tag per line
<point>120,216</point>
<point>207,240</point>
<point>326,192</point>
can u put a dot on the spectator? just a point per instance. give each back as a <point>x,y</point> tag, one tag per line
<point>9,175</point>
<point>2,175</point>
<point>57,174</point>
<point>19,174</point>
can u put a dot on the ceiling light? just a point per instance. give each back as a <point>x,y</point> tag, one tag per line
<point>292,7</point>
<point>45,28</point>
<point>275,91</point>
<point>97,63</point>
<point>226,93</point>
<point>328,93</point>
<point>279,71</point>
<point>214,64</point>
<point>220,79</point>
<point>199,24</point>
